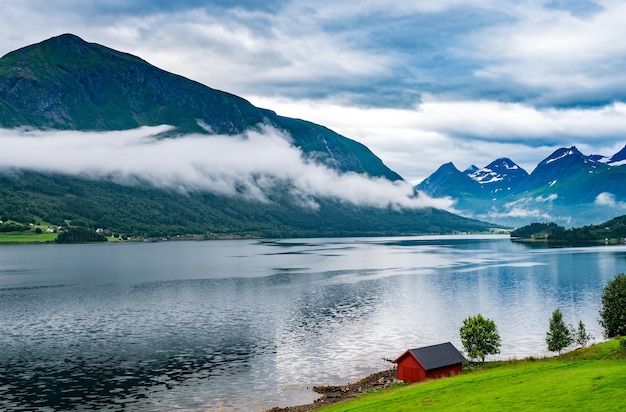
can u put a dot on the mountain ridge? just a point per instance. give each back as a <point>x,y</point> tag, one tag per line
<point>499,176</point>
<point>566,187</point>
<point>65,83</point>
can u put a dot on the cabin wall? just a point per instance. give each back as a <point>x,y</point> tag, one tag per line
<point>410,370</point>
<point>444,372</point>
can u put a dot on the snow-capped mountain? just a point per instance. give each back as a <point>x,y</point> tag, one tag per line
<point>563,165</point>
<point>567,187</point>
<point>499,176</point>
<point>618,159</point>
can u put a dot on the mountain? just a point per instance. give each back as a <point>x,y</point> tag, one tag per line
<point>567,187</point>
<point>499,176</point>
<point>618,159</point>
<point>563,166</point>
<point>144,211</point>
<point>65,83</point>
<point>448,179</point>
<point>474,188</point>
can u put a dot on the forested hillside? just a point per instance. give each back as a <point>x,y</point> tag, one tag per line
<point>150,212</point>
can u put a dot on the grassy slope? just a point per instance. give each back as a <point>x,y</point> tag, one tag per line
<point>589,379</point>
<point>27,237</point>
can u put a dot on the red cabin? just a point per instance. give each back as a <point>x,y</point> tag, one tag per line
<point>429,362</point>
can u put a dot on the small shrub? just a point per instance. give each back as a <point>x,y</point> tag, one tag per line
<point>580,335</point>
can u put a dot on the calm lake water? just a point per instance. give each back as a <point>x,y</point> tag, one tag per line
<point>247,325</point>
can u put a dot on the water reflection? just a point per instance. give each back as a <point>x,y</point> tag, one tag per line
<point>247,325</point>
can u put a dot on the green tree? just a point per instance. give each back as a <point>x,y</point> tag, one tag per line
<point>80,235</point>
<point>581,337</point>
<point>480,337</point>
<point>559,335</point>
<point>613,312</point>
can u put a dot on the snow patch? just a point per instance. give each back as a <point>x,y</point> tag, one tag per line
<point>486,176</point>
<point>568,153</point>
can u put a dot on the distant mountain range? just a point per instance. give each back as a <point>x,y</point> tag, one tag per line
<point>65,83</point>
<point>567,187</point>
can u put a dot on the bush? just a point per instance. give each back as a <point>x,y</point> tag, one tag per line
<point>13,227</point>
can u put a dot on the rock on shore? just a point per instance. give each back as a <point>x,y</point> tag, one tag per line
<point>333,394</point>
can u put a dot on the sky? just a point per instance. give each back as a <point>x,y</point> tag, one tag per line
<point>420,82</point>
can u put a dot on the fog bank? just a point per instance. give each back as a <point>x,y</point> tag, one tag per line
<point>246,165</point>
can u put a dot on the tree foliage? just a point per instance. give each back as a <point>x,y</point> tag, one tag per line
<point>480,337</point>
<point>612,229</point>
<point>80,235</point>
<point>559,335</point>
<point>613,312</point>
<point>146,211</point>
<point>581,337</point>
<point>13,227</point>
<point>536,230</point>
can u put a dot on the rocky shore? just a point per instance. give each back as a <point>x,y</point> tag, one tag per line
<point>333,394</point>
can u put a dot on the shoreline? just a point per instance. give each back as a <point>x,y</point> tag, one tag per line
<point>337,393</point>
<point>5,238</point>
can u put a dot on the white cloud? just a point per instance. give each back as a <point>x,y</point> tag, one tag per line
<point>415,142</point>
<point>325,10</point>
<point>520,212</point>
<point>246,165</point>
<point>301,47</point>
<point>491,120</point>
<point>536,208</point>
<point>236,50</point>
<point>239,51</point>
<point>606,199</point>
<point>547,199</point>
<point>555,50</point>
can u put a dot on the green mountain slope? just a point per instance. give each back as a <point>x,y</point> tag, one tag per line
<point>149,212</point>
<point>65,83</point>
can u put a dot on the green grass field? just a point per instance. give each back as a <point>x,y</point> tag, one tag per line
<point>27,237</point>
<point>590,379</point>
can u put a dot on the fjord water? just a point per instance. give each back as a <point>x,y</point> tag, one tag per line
<point>248,324</point>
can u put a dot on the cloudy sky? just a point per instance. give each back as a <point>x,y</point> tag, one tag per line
<point>420,82</point>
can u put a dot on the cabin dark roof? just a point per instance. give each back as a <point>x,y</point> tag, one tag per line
<point>435,356</point>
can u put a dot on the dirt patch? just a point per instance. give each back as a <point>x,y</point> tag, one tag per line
<point>333,394</point>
